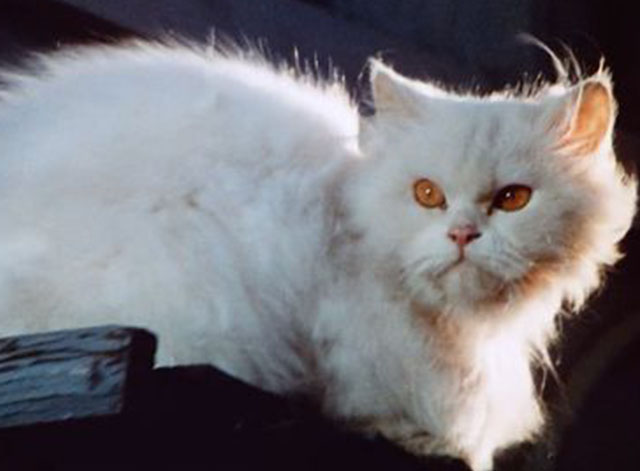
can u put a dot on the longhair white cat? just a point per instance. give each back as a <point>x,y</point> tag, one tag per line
<point>404,269</point>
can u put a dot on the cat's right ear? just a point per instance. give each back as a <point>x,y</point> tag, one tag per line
<point>392,93</point>
<point>586,116</point>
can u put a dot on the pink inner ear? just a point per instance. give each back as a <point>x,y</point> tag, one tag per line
<point>590,122</point>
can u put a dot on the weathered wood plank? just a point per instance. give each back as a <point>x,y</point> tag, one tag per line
<point>70,374</point>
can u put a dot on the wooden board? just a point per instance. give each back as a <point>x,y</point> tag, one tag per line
<point>73,374</point>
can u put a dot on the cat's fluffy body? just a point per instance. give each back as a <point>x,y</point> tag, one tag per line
<point>253,220</point>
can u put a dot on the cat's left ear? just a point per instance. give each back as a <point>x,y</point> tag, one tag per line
<point>586,117</point>
<point>392,93</point>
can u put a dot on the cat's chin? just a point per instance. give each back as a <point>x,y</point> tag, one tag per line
<point>467,282</point>
<point>464,286</point>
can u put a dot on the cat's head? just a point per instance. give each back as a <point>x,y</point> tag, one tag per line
<point>473,200</point>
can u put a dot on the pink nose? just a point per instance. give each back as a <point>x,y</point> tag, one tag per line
<point>463,235</point>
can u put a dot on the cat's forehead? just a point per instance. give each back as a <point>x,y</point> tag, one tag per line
<point>479,145</point>
<point>481,122</point>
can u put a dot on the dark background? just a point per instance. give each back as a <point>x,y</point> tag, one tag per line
<point>463,43</point>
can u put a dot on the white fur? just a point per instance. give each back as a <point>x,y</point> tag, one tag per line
<point>237,210</point>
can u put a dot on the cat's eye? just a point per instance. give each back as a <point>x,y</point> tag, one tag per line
<point>512,198</point>
<point>428,194</point>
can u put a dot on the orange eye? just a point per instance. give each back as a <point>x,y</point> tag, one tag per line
<point>428,194</point>
<point>512,198</point>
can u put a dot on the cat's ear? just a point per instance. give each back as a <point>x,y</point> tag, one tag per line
<point>585,119</point>
<point>391,91</point>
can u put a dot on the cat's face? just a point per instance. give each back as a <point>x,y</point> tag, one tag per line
<point>474,201</point>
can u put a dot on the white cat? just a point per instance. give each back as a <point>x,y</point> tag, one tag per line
<point>404,269</point>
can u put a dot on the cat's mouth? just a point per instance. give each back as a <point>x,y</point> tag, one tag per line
<point>460,263</point>
<point>457,265</point>
<point>468,269</point>
<point>461,271</point>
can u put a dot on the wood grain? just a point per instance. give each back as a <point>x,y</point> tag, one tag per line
<point>72,374</point>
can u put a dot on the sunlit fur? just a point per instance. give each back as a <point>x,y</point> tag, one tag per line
<point>253,220</point>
